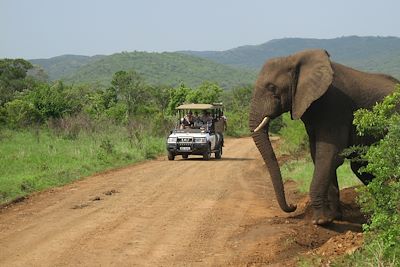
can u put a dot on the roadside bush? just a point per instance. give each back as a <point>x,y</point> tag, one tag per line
<point>381,198</point>
<point>107,148</point>
<point>162,124</point>
<point>54,101</point>
<point>70,126</point>
<point>137,131</point>
<point>21,113</point>
<point>237,122</point>
<point>117,113</point>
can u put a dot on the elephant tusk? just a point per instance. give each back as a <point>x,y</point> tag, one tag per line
<point>262,124</point>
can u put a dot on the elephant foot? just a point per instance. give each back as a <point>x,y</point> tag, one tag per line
<point>322,217</point>
<point>336,212</point>
<point>337,215</point>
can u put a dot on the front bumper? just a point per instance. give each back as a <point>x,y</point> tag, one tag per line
<point>188,148</point>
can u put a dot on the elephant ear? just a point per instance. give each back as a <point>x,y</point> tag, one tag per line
<point>313,76</point>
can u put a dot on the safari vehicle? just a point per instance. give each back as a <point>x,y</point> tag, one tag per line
<point>203,135</point>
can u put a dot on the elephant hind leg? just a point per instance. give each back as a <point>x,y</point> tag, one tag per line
<point>364,177</point>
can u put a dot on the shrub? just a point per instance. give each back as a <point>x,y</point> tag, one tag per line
<point>381,198</point>
<point>117,113</point>
<point>70,126</point>
<point>20,112</point>
<point>54,101</point>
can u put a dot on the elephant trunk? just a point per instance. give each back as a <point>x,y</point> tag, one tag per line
<point>263,143</point>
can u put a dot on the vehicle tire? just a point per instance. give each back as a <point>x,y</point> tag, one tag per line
<point>218,153</point>
<point>185,156</point>
<point>207,155</point>
<point>171,156</point>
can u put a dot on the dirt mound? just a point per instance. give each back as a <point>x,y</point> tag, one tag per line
<point>345,243</point>
<point>339,238</point>
<point>282,240</point>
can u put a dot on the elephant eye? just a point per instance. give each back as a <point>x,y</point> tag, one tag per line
<point>271,87</point>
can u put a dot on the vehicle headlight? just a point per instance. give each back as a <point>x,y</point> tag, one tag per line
<point>171,140</point>
<point>200,140</point>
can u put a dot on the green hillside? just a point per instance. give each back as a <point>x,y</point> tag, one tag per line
<point>376,54</point>
<point>161,68</point>
<point>228,68</point>
<point>61,66</point>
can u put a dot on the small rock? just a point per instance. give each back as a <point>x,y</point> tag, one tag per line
<point>96,198</point>
<point>110,192</point>
<point>80,206</point>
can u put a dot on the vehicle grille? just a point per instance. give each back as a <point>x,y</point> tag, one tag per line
<point>185,141</point>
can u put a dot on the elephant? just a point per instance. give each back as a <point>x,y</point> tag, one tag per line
<point>324,95</point>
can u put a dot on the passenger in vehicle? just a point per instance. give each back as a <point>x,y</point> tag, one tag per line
<point>188,120</point>
<point>223,117</point>
<point>207,119</point>
<point>197,122</point>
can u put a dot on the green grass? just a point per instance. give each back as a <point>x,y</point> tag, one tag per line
<point>294,135</point>
<point>367,256</point>
<point>301,171</point>
<point>32,162</point>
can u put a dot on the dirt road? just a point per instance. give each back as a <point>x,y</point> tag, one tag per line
<point>163,213</point>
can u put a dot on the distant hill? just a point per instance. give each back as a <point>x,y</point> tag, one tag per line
<point>61,66</point>
<point>229,68</point>
<point>376,54</point>
<point>157,68</point>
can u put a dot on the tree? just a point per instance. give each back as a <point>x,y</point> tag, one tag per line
<point>239,98</point>
<point>237,103</point>
<point>177,97</point>
<point>131,89</point>
<point>207,92</point>
<point>38,74</point>
<point>161,96</point>
<point>12,78</point>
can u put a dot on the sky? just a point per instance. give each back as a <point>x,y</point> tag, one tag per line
<point>46,28</point>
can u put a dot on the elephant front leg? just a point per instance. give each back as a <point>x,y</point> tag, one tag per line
<point>324,191</point>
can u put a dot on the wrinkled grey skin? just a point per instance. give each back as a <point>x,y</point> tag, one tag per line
<point>324,95</point>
